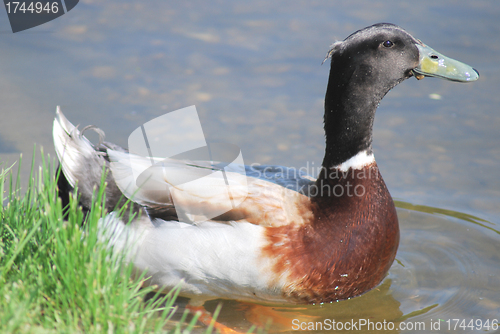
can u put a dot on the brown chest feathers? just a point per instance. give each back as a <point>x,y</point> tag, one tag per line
<point>347,247</point>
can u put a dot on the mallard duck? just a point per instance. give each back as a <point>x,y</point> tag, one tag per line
<point>289,240</point>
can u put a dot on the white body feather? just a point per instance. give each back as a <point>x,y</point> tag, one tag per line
<point>211,259</point>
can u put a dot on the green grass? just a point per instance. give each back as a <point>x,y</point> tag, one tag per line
<point>56,277</point>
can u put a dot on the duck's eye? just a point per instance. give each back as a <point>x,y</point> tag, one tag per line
<point>388,44</point>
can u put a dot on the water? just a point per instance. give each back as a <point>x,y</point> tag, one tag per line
<point>253,71</point>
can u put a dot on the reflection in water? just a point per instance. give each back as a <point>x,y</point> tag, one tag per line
<point>460,215</point>
<point>449,259</point>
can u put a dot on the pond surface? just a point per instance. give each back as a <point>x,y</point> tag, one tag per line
<point>253,70</point>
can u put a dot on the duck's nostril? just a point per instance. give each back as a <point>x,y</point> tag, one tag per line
<point>434,57</point>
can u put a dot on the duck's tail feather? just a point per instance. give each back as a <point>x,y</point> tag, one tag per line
<point>82,165</point>
<point>79,161</point>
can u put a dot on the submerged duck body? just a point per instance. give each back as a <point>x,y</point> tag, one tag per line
<point>294,240</point>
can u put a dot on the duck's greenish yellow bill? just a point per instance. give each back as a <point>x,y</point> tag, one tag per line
<point>434,64</point>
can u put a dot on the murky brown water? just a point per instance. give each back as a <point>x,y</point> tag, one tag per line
<point>253,71</point>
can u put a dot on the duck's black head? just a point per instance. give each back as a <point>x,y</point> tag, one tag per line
<point>364,67</point>
<point>376,58</point>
